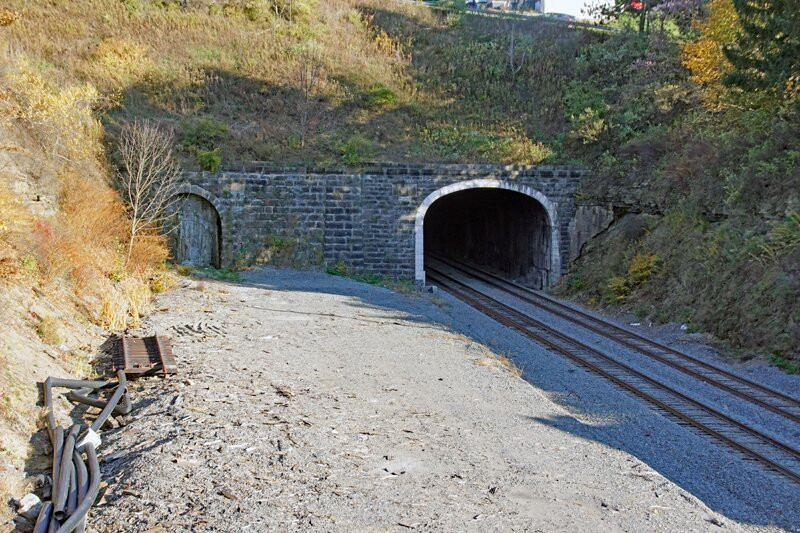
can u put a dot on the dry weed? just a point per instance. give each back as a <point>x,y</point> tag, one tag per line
<point>493,360</point>
<point>9,488</point>
<point>13,216</point>
<point>49,330</point>
<point>162,281</point>
<point>120,62</point>
<point>8,17</point>
<point>124,304</point>
<point>59,116</point>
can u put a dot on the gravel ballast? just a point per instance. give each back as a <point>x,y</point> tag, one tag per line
<point>310,402</point>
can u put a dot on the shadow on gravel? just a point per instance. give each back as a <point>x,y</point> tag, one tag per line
<point>663,445</point>
<point>703,478</point>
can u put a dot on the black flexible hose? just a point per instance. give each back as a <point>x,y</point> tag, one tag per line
<point>83,486</point>
<point>62,488</point>
<point>74,487</point>
<point>94,487</point>
<point>112,402</point>
<point>72,498</point>
<point>43,521</point>
<point>57,436</point>
<point>82,396</point>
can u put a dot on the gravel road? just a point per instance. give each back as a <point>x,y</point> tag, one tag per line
<point>309,402</point>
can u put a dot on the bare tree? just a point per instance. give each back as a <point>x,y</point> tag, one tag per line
<point>310,80</point>
<point>148,178</point>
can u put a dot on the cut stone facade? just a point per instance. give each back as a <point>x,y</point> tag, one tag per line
<point>370,221</point>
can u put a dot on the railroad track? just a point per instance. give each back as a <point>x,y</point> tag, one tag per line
<point>752,444</point>
<point>758,394</point>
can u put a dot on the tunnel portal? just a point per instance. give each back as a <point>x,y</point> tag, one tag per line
<point>196,239</point>
<point>501,230</point>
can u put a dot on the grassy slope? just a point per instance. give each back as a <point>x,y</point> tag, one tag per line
<point>63,279</point>
<point>394,82</point>
<point>722,254</point>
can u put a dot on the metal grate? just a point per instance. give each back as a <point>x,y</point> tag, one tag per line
<point>140,356</point>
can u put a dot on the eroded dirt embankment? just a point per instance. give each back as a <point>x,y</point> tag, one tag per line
<point>307,402</point>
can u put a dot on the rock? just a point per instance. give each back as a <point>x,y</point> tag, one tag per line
<point>589,221</point>
<point>29,506</point>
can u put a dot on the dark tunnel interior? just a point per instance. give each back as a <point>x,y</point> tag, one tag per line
<point>503,231</point>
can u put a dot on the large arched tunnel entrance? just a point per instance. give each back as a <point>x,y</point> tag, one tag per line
<point>501,230</point>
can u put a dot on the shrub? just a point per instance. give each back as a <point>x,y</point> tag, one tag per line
<point>640,269</point>
<point>203,134</point>
<point>582,95</point>
<point>705,57</point>
<point>209,160</point>
<point>356,150</point>
<point>338,269</point>
<point>380,96</point>
<point>619,289</point>
<point>60,116</point>
<point>587,126</point>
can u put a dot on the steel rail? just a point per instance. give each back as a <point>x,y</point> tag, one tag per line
<point>597,326</point>
<point>522,323</point>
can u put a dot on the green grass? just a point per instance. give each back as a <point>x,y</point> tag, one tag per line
<point>403,286</point>
<point>784,364</point>
<point>219,274</point>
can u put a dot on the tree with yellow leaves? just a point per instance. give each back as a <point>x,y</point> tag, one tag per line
<point>705,57</point>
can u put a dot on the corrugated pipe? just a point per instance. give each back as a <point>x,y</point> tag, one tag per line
<point>76,482</point>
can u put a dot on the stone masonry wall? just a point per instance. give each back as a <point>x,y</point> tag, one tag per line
<point>364,220</point>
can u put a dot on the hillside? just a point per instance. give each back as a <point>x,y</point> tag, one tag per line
<point>703,178</point>
<point>332,82</point>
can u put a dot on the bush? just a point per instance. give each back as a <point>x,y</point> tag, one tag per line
<point>380,96</point>
<point>640,270</point>
<point>59,116</point>
<point>338,269</point>
<point>209,160</point>
<point>203,134</point>
<point>356,150</point>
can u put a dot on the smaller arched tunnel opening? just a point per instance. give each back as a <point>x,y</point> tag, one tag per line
<point>197,235</point>
<point>500,230</point>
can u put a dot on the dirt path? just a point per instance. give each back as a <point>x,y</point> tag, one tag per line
<point>308,402</point>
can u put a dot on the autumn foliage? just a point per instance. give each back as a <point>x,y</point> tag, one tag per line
<point>705,57</point>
